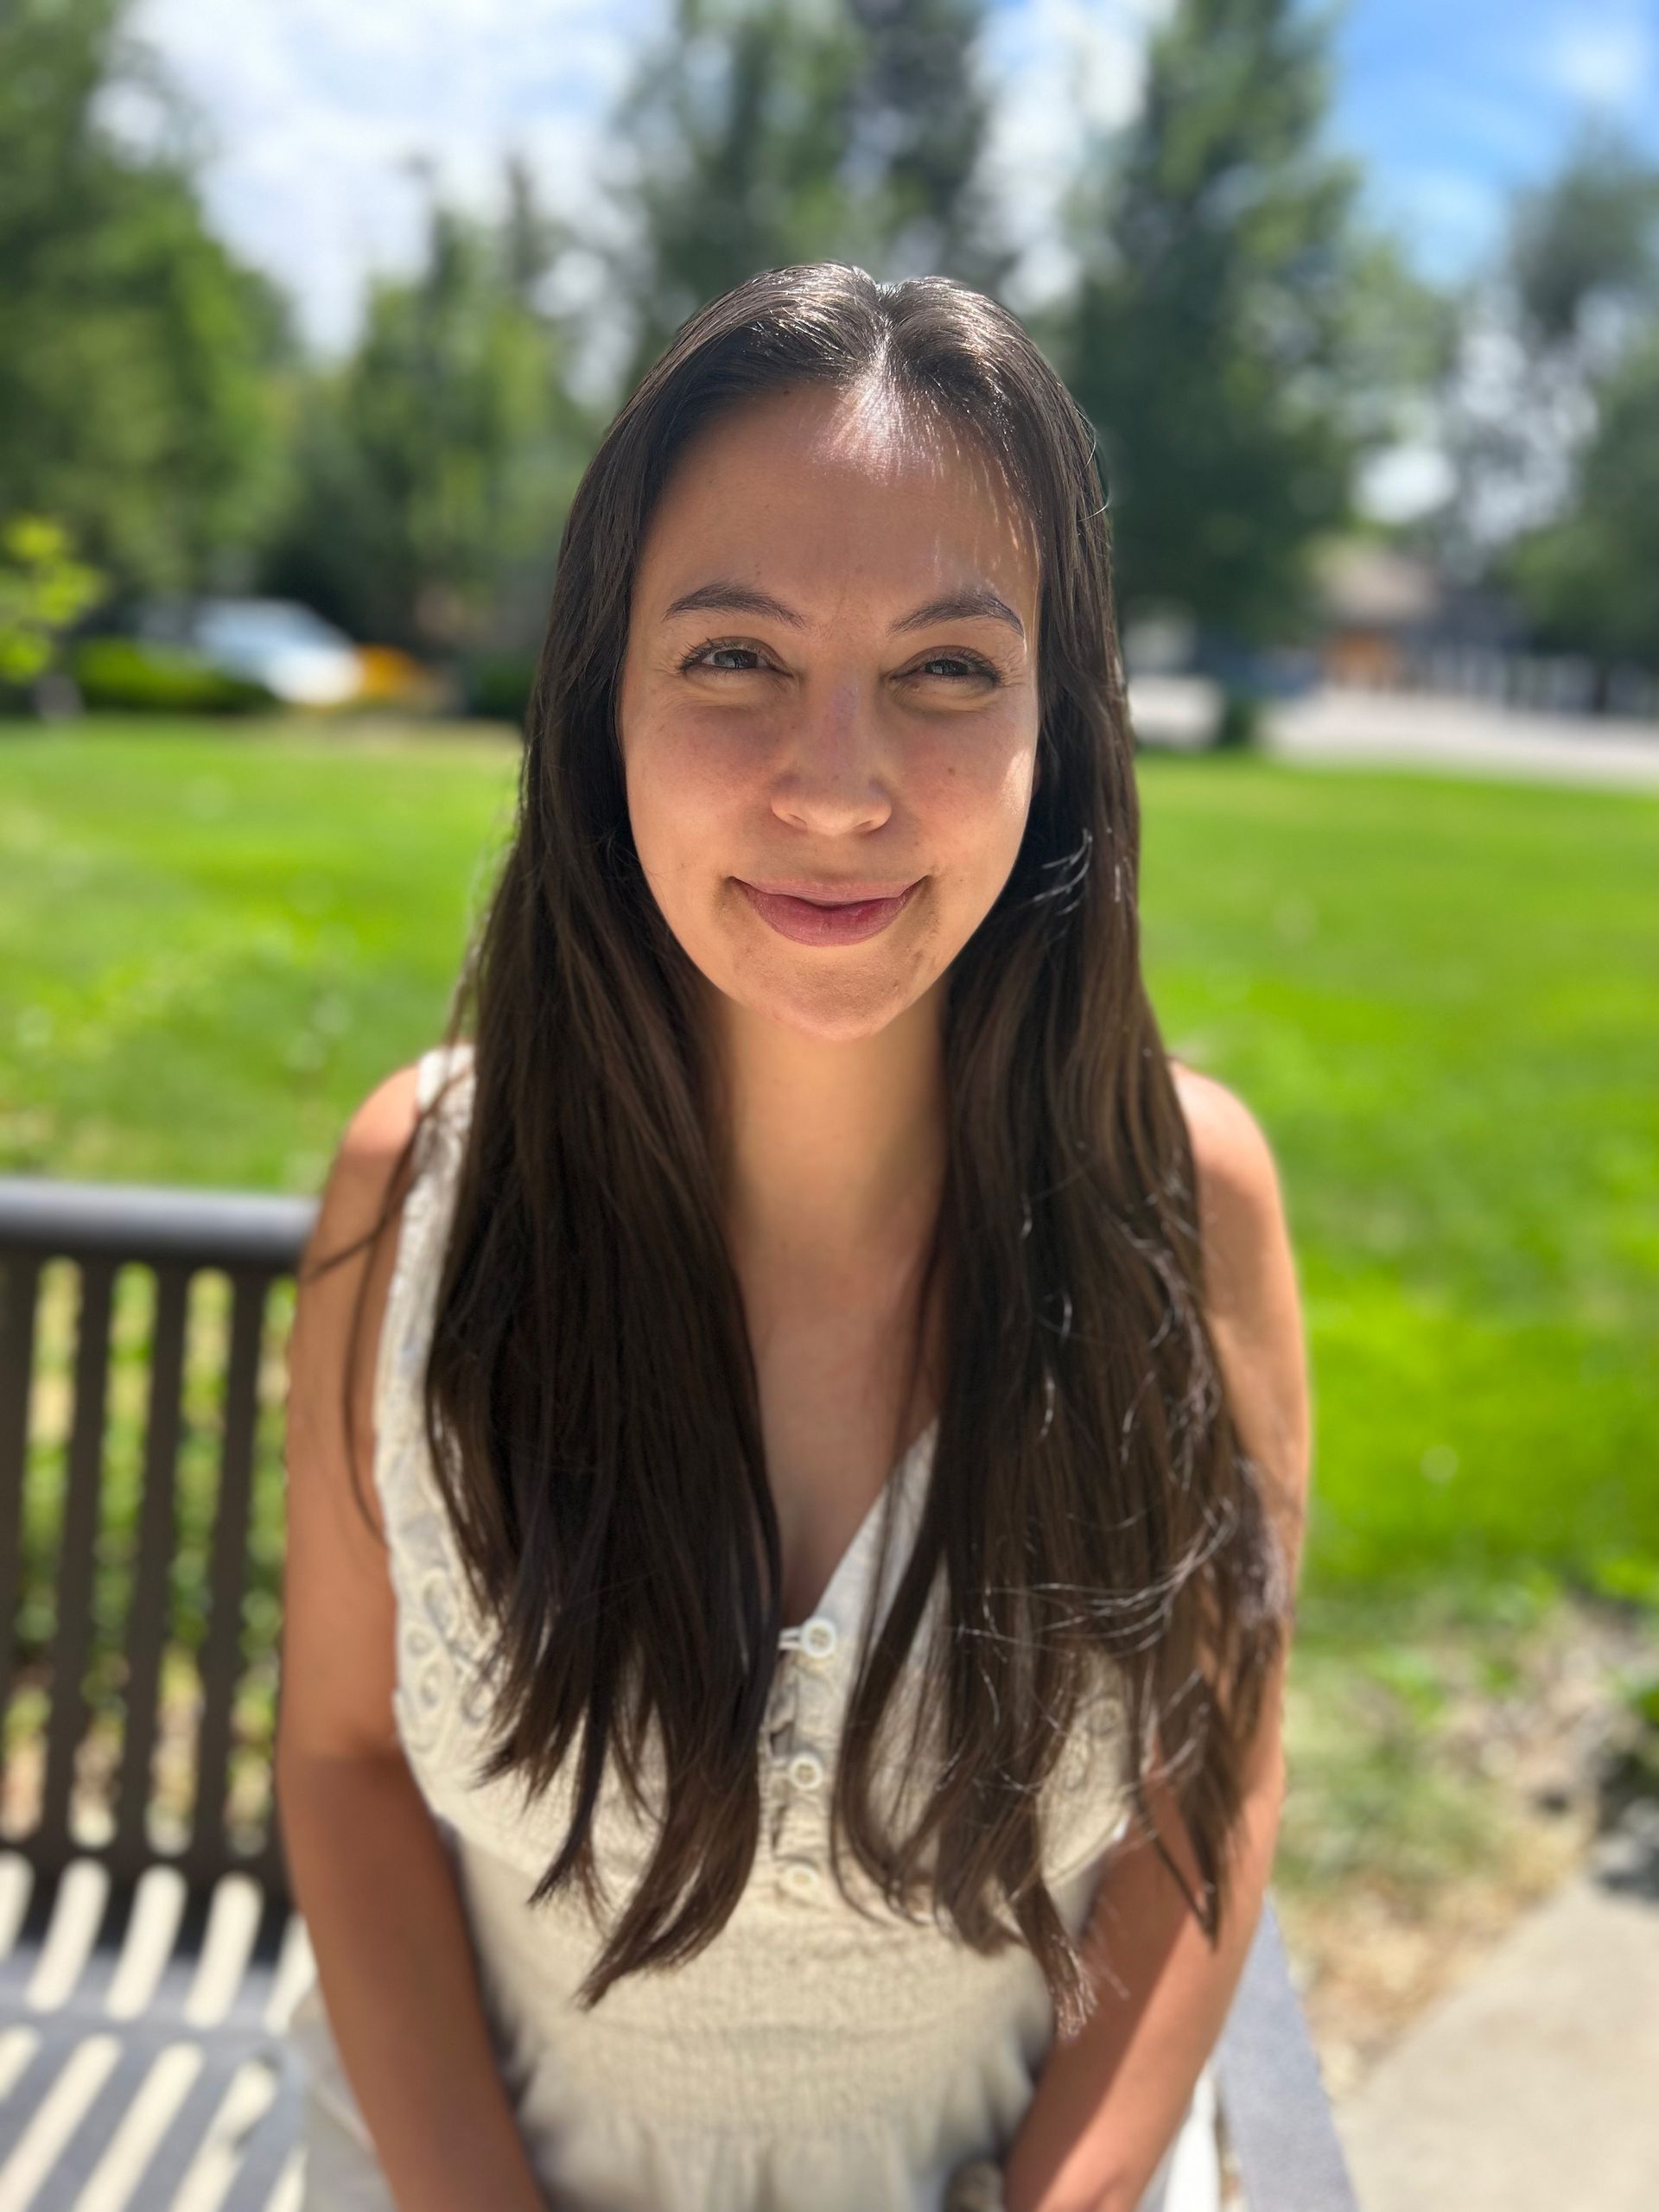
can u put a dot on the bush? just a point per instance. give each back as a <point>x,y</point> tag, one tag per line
<point>497,686</point>
<point>43,588</point>
<point>137,677</point>
<point>1238,725</point>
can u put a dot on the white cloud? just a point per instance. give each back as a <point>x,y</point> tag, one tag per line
<point>1058,70</point>
<point>315,108</point>
<point>1607,60</point>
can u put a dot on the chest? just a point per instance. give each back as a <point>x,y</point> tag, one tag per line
<point>839,1407</point>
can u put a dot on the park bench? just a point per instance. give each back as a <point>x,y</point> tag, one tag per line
<point>146,1980</point>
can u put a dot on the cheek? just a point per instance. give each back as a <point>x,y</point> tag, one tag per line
<point>975,798</point>
<point>680,782</point>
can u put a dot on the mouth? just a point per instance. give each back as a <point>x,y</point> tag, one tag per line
<point>851,913</point>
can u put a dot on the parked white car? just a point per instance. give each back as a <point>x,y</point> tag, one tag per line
<point>276,642</point>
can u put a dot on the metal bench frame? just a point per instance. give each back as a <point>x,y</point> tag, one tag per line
<point>226,1996</point>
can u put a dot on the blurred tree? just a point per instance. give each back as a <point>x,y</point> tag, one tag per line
<point>433,466</point>
<point>532,239</point>
<point>1237,339</point>
<point>138,401</point>
<point>1578,287</point>
<point>1589,582</point>
<point>921,120</point>
<point>761,133</point>
<point>1543,331</point>
<point>43,588</point>
<point>1584,246</point>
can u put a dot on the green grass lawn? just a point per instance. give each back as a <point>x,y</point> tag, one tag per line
<point>1439,996</point>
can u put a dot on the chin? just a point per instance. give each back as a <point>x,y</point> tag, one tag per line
<point>831,1011</point>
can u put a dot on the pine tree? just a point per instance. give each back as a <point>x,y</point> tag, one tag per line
<point>1223,335</point>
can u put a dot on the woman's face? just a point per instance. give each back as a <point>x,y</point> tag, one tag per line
<point>830,685</point>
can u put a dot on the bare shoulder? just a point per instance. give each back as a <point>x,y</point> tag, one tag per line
<point>348,1259</point>
<point>339,1612</point>
<point>1239,1192</point>
<point>375,1134</point>
<point>1252,1296</point>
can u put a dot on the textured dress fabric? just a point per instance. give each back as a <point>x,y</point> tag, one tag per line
<point>815,2056</point>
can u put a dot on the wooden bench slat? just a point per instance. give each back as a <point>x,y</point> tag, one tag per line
<point>147,1616</point>
<point>20,1281</point>
<point>71,1632</point>
<point>222,1650</point>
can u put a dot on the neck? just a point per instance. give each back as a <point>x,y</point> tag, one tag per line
<point>833,1153</point>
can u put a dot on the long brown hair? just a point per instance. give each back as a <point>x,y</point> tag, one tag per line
<point>590,1392</point>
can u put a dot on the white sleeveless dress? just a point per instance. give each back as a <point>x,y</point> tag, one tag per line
<point>808,2059</point>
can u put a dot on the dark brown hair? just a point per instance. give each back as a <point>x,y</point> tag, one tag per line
<point>590,1392</point>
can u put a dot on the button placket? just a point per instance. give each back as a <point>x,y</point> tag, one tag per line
<point>806,1770</point>
<point>801,1878</point>
<point>799,1768</point>
<point>819,1638</point>
<point>782,1709</point>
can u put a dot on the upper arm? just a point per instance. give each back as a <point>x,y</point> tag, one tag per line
<point>339,1613</point>
<point>1252,1301</point>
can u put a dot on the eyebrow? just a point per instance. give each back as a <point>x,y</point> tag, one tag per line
<point>726,597</point>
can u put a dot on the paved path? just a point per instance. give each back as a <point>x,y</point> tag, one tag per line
<point>1424,729</point>
<point>1427,729</point>
<point>1535,2086</point>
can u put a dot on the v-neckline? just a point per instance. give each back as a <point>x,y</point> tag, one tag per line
<point>843,1565</point>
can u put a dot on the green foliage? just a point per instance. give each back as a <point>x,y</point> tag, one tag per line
<point>433,467</point>
<point>43,588</point>
<point>1586,236</point>
<point>134,676</point>
<point>1589,581</point>
<point>138,398</point>
<point>1235,337</point>
<point>772,132</point>
<point>1239,724</point>
<point>921,120</point>
<point>497,686</point>
<point>1577,423</point>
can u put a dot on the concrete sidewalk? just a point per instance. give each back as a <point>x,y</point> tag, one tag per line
<point>1533,2087</point>
<point>1414,729</point>
<point>1430,730</point>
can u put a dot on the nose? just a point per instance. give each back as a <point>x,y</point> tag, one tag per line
<point>831,773</point>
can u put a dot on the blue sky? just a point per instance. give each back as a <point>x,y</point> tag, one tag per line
<point>314,107</point>
<point>1451,103</point>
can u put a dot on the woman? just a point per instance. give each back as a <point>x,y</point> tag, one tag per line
<point>802,1732</point>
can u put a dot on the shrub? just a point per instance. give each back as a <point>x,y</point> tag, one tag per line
<point>497,686</point>
<point>137,678</point>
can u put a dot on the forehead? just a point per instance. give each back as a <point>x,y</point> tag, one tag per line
<point>849,489</point>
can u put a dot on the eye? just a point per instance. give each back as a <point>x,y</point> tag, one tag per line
<point>696,659</point>
<point>970,664</point>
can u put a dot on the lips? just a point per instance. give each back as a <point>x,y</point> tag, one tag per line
<point>803,913</point>
<point>829,892</point>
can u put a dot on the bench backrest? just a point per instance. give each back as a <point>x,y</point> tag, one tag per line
<point>256,1242</point>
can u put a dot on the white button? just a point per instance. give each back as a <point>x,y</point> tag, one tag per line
<point>806,1770</point>
<point>819,1636</point>
<point>801,1878</point>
